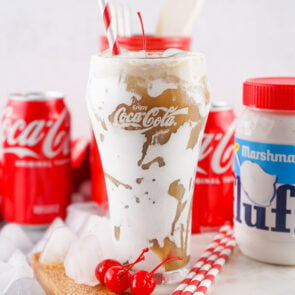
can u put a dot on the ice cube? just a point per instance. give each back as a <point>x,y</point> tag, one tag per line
<point>77,214</point>
<point>57,222</point>
<point>82,259</point>
<point>20,264</point>
<point>4,268</point>
<point>6,248</point>
<point>100,226</point>
<point>57,245</point>
<point>39,246</point>
<point>93,225</point>
<point>25,286</point>
<point>6,274</point>
<point>259,186</point>
<point>17,236</point>
<point>16,268</point>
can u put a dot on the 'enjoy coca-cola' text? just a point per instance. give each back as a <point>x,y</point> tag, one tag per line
<point>145,119</point>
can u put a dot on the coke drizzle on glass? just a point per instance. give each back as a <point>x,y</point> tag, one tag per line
<point>213,195</point>
<point>132,43</point>
<point>35,140</point>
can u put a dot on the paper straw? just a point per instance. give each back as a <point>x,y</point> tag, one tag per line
<point>200,275</point>
<point>109,26</point>
<point>212,247</point>
<point>213,272</point>
<point>209,266</point>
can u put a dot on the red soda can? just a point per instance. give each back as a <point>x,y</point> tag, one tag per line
<point>35,140</point>
<point>214,184</point>
<point>80,150</point>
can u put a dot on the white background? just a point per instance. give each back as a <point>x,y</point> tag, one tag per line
<point>46,45</point>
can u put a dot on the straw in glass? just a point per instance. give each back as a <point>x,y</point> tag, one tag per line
<point>109,26</point>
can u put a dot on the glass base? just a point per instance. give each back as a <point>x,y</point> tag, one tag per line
<point>171,277</point>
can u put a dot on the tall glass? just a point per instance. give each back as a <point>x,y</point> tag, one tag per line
<point>148,113</point>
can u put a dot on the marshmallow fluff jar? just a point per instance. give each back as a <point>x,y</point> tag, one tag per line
<point>148,111</point>
<point>265,171</point>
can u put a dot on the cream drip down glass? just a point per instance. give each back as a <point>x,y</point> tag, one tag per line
<point>148,112</point>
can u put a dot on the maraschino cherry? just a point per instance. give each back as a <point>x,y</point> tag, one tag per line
<point>102,268</point>
<point>143,283</point>
<point>117,278</point>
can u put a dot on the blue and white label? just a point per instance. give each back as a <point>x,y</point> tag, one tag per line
<point>265,186</point>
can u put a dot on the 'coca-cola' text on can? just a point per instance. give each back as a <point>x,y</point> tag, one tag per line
<point>35,140</point>
<point>213,196</point>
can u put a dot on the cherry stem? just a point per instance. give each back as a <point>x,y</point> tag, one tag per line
<point>139,258</point>
<point>165,261</point>
<point>142,31</point>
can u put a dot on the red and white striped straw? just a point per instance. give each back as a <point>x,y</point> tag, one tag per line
<point>213,272</point>
<point>214,246</point>
<point>110,28</point>
<point>209,269</point>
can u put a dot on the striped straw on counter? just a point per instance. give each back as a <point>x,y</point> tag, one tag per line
<point>213,272</point>
<point>201,261</point>
<point>206,262</point>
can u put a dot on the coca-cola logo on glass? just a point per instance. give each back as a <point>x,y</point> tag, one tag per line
<point>37,138</point>
<point>144,118</point>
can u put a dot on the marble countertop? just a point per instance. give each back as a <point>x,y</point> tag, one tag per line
<point>242,275</point>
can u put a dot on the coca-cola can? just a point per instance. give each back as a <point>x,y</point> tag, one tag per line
<point>35,141</point>
<point>80,150</point>
<point>214,184</point>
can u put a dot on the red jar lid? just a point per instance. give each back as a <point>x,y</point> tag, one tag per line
<point>152,43</point>
<point>276,93</point>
